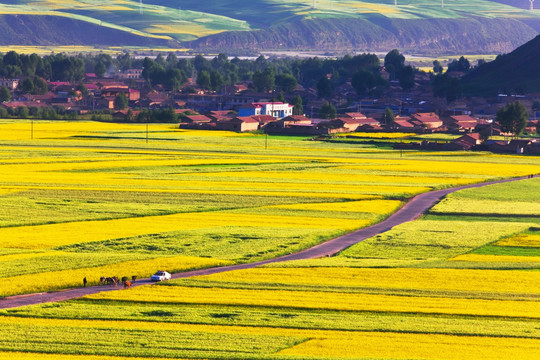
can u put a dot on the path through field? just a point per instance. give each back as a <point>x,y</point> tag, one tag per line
<point>412,210</point>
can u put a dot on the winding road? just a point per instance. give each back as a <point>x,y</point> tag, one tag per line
<point>411,211</point>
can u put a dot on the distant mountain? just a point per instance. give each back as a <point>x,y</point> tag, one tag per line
<point>419,26</point>
<point>516,72</point>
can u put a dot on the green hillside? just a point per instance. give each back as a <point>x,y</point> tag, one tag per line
<point>501,75</point>
<point>420,25</point>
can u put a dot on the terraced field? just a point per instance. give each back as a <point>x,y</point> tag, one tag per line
<point>85,199</point>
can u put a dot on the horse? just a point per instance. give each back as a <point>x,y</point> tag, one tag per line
<point>112,281</point>
<point>102,280</point>
<point>133,278</point>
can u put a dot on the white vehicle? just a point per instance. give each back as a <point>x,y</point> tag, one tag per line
<point>161,276</point>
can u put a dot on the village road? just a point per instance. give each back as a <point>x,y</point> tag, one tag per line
<point>411,211</point>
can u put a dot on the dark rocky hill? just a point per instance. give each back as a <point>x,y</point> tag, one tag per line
<point>432,36</point>
<point>515,72</point>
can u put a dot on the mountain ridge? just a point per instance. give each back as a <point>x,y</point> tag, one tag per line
<point>422,26</point>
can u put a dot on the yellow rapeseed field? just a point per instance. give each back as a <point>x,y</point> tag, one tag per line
<point>327,301</point>
<point>416,346</point>
<point>506,281</point>
<point>48,236</point>
<point>496,258</point>
<point>340,344</point>
<point>522,240</point>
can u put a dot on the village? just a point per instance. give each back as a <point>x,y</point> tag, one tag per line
<point>126,97</point>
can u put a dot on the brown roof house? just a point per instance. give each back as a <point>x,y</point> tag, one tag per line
<point>427,120</point>
<point>466,142</point>
<point>239,124</point>
<point>461,123</point>
<point>403,124</point>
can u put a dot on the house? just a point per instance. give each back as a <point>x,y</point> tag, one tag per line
<point>11,84</point>
<point>130,74</point>
<point>353,115</point>
<point>131,94</point>
<point>531,126</point>
<point>196,119</point>
<point>296,120</point>
<point>292,125</point>
<point>275,109</point>
<point>460,123</point>
<point>221,115</point>
<point>17,104</point>
<point>264,119</point>
<point>105,103</point>
<point>466,142</point>
<point>403,124</point>
<point>239,124</point>
<point>45,98</point>
<point>155,100</point>
<point>427,121</point>
<point>122,115</point>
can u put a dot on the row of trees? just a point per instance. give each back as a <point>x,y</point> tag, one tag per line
<point>47,113</point>
<point>278,74</point>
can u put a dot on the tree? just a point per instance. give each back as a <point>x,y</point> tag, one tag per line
<point>406,77</point>
<point>393,62</point>
<point>327,111</point>
<point>462,65</point>
<point>40,85</point>
<point>129,115</point>
<point>324,88</point>
<point>100,69</point>
<point>216,79</point>
<point>5,94</point>
<point>280,98</point>
<point>264,81</point>
<point>513,118</point>
<point>203,79</point>
<point>80,87</point>
<point>286,82</point>
<point>388,116</point>
<point>120,101</point>
<point>174,79</point>
<point>446,86</point>
<point>172,60</point>
<point>298,107</point>
<point>437,67</point>
<point>26,86</point>
<point>22,112</point>
<point>363,81</point>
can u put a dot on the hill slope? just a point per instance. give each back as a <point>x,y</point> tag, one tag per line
<point>461,26</point>
<point>516,72</point>
<point>433,36</point>
<point>52,30</point>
